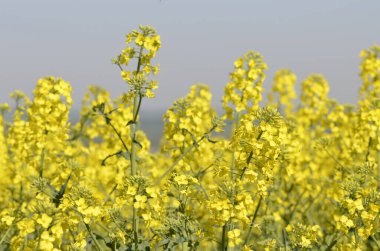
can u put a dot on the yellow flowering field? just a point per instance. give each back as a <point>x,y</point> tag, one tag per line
<point>297,172</point>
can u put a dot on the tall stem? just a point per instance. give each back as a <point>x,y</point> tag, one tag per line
<point>253,221</point>
<point>236,126</point>
<point>227,225</point>
<point>5,235</point>
<point>136,108</point>
<point>97,245</point>
<point>133,138</point>
<point>378,169</point>
<point>378,162</point>
<point>224,238</point>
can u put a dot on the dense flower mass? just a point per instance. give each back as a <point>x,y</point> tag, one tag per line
<point>301,172</point>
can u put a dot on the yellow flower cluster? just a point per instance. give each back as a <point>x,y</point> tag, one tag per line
<point>143,49</point>
<point>281,176</point>
<point>244,91</point>
<point>283,86</point>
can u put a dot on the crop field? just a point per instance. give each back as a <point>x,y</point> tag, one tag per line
<point>292,171</point>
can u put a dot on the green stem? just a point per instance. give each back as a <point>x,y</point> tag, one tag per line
<point>39,241</point>
<point>332,244</point>
<point>376,241</point>
<point>253,221</point>
<point>250,157</point>
<point>237,123</point>
<point>284,238</point>
<point>119,136</point>
<point>133,139</point>
<point>233,174</point>
<point>5,235</point>
<point>246,167</point>
<point>109,194</point>
<point>188,150</point>
<point>97,245</point>
<point>185,152</point>
<point>368,149</point>
<point>110,156</point>
<point>224,244</point>
<point>136,108</point>
<point>378,168</point>
<point>42,161</point>
<point>336,161</point>
<point>290,217</point>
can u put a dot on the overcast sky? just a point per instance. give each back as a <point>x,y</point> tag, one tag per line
<point>76,40</point>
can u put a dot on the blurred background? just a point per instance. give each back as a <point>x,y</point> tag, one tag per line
<point>76,40</point>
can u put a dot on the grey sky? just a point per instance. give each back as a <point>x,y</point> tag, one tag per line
<point>76,40</point>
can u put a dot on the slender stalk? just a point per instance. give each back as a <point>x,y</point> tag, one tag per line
<point>224,244</point>
<point>97,245</point>
<point>250,157</point>
<point>186,151</point>
<point>237,123</point>
<point>375,241</point>
<point>226,226</point>
<point>336,161</point>
<point>5,235</point>
<point>136,108</point>
<point>133,137</point>
<point>119,136</point>
<point>378,164</point>
<point>332,244</point>
<point>39,240</point>
<point>109,194</point>
<point>368,149</point>
<point>290,217</point>
<point>42,162</point>
<point>233,173</point>
<point>253,221</point>
<point>110,156</point>
<point>245,168</point>
<point>284,238</point>
<point>121,69</point>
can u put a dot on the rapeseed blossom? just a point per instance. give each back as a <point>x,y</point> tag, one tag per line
<point>285,175</point>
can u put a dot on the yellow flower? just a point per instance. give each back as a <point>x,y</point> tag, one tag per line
<point>346,221</point>
<point>126,75</point>
<point>305,242</point>
<point>234,237</point>
<point>153,43</point>
<point>140,201</point>
<point>44,220</point>
<point>46,242</point>
<point>238,63</point>
<point>152,191</point>
<point>149,94</point>
<point>131,190</point>
<point>176,203</point>
<point>359,205</point>
<point>181,180</point>
<point>139,39</point>
<point>8,220</point>
<point>26,227</point>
